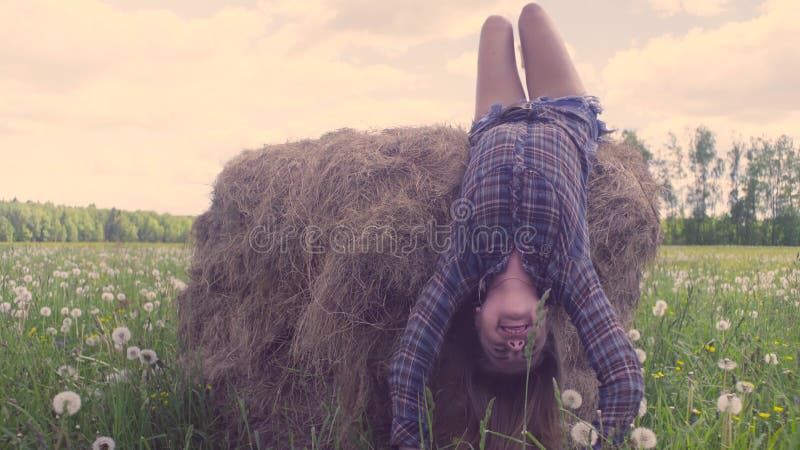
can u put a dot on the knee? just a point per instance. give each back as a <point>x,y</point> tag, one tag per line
<point>496,23</point>
<point>532,12</point>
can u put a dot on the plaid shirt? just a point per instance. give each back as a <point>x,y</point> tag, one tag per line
<point>524,188</point>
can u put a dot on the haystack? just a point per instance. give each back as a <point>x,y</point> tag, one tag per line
<point>312,253</point>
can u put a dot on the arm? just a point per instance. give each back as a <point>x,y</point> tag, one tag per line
<point>607,346</point>
<point>419,346</point>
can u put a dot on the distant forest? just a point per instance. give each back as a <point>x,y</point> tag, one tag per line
<point>750,195</point>
<point>45,222</point>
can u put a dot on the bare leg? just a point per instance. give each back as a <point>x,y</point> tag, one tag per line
<point>498,80</point>
<point>548,68</point>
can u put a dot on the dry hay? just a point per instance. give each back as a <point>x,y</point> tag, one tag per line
<point>277,310</point>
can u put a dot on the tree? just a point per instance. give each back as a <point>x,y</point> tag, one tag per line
<point>6,230</point>
<point>629,137</point>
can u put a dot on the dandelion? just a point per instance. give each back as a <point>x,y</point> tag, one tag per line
<point>45,311</point>
<point>51,331</point>
<point>5,307</point>
<point>148,307</point>
<point>64,311</point>
<point>771,358</point>
<point>121,335</point>
<point>642,437</point>
<point>67,371</point>
<point>754,314</point>
<point>583,434</point>
<point>726,364</point>
<point>75,313</point>
<point>641,354</point>
<point>107,296</point>
<point>134,314</point>
<point>117,377</point>
<point>778,409</point>
<point>103,443</point>
<point>27,278</point>
<point>642,407</point>
<point>160,323</point>
<point>147,356</point>
<point>744,387</point>
<point>634,335</point>
<point>94,311</point>
<point>67,402</point>
<point>723,325</point>
<point>660,308</point>
<point>133,353</point>
<point>763,415</point>
<point>729,403</point>
<point>572,399</point>
<point>91,341</point>
<point>66,322</point>
<point>121,297</point>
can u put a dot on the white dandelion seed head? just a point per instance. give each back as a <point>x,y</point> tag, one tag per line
<point>641,354</point>
<point>121,335</point>
<point>66,371</point>
<point>771,358</point>
<point>91,341</point>
<point>571,399</point>
<point>642,437</point>
<point>583,434</point>
<point>103,443</point>
<point>94,311</point>
<point>66,322</point>
<point>121,297</point>
<point>75,313</point>
<point>65,328</point>
<point>133,314</point>
<point>726,364</point>
<point>160,323</point>
<point>67,402</point>
<point>642,407</point>
<point>148,307</point>
<point>728,402</point>
<point>107,296</point>
<point>44,311</point>
<point>65,311</point>
<point>51,331</point>
<point>148,356</point>
<point>20,314</point>
<point>634,335</point>
<point>27,278</point>
<point>745,386</point>
<point>723,325</point>
<point>5,307</point>
<point>754,314</point>
<point>133,353</point>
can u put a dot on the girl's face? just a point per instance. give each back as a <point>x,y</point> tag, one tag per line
<point>505,318</point>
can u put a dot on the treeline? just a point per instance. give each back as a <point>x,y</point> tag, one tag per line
<point>45,222</point>
<point>750,195</point>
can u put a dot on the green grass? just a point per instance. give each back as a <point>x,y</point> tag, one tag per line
<point>154,407</point>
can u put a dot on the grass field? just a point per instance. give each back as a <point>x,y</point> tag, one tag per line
<point>98,322</point>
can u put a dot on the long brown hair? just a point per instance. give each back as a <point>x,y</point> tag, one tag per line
<point>462,388</point>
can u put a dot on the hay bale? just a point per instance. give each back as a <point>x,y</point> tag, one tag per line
<point>312,253</point>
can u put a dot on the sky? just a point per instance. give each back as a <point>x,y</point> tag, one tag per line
<point>138,104</point>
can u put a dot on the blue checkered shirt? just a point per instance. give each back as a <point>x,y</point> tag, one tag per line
<point>524,187</point>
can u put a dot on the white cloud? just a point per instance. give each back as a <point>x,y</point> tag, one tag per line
<point>738,79</point>
<point>693,7</point>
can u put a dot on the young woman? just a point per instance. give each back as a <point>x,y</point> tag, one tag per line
<point>519,228</point>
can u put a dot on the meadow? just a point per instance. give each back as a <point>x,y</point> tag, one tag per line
<point>88,343</point>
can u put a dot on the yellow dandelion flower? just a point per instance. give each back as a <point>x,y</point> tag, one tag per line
<point>778,409</point>
<point>763,415</point>
<point>679,362</point>
<point>658,374</point>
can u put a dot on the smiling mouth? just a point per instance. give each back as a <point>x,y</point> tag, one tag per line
<point>514,330</point>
